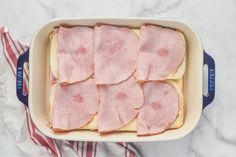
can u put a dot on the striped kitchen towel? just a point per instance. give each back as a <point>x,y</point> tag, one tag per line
<point>24,132</point>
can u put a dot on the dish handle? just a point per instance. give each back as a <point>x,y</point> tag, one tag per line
<point>210,63</point>
<point>23,97</point>
<point>207,99</point>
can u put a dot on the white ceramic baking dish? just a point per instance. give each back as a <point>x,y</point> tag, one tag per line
<point>38,102</point>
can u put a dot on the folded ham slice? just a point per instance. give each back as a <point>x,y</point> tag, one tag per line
<point>160,109</point>
<point>115,54</point>
<point>119,104</point>
<point>162,51</point>
<point>74,54</point>
<point>75,105</point>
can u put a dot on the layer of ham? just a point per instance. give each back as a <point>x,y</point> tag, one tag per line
<point>119,104</point>
<point>74,54</point>
<point>115,54</point>
<point>160,109</point>
<point>161,53</point>
<point>75,105</point>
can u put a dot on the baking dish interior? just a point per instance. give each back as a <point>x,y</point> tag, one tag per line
<point>39,80</point>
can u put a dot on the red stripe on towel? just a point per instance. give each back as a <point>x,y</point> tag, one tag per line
<point>29,130</point>
<point>131,152</point>
<point>23,49</point>
<point>51,144</point>
<point>8,61</point>
<point>89,149</point>
<point>18,51</point>
<point>9,50</point>
<point>82,151</point>
<point>10,56</point>
<point>42,141</point>
<point>125,149</point>
<point>95,149</point>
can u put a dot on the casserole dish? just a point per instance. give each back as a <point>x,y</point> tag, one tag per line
<point>38,98</point>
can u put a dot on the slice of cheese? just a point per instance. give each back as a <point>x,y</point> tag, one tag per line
<point>53,54</point>
<point>132,126</point>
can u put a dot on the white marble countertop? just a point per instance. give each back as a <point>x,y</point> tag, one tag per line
<point>215,20</point>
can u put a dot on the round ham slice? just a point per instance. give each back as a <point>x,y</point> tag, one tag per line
<point>74,54</point>
<point>160,109</point>
<point>75,105</point>
<point>115,54</point>
<point>119,104</point>
<point>162,51</point>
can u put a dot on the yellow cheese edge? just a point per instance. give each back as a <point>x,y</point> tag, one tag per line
<point>53,56</point>
<point>132,126</point>
<point>179,121</point>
